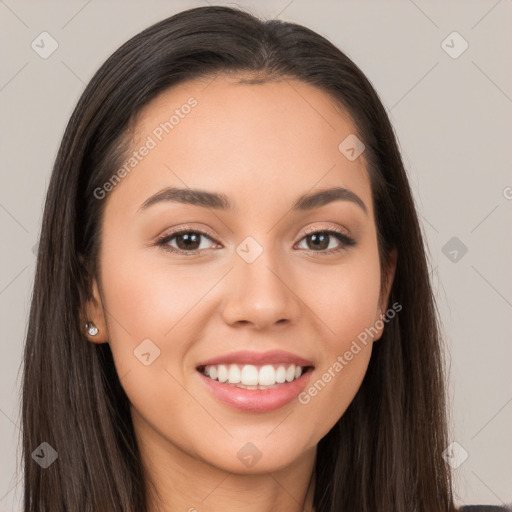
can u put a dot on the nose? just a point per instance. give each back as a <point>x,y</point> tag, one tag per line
<point>260,294</point>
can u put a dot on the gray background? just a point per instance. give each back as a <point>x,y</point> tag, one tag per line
<point>453,120</point>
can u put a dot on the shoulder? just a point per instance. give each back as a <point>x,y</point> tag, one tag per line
<point>484,508</point>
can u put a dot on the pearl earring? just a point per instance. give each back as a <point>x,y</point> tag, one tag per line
<point>91,329</point>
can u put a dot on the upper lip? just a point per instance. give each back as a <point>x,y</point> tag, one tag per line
<point>257,358</point>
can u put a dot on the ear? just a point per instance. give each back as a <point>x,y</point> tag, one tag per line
<point>385,291</point>
<point>93,311</point>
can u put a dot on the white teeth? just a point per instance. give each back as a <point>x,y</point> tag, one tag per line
<point>233,374</point>
<point>222,373</point>
<point>249,375</point>
<point>267,375</point>
<point>281,374</point>
<point>252,376</point>
<point>290,373</point>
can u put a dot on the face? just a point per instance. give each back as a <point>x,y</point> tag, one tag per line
<point>275,292</point>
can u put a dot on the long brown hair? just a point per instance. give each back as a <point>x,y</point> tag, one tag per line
<point>385,452</point>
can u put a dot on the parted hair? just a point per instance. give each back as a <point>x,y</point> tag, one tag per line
<point>385,452</point>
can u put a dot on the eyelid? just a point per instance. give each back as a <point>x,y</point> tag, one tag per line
<point>187,228</point>
<point>315,229</point>
<point>346,241</point>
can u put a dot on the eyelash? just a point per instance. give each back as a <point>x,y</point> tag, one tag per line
<point>345,240</point>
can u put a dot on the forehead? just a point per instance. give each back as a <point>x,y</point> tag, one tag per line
<point>264,142</point>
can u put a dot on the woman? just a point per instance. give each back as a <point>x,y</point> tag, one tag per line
<point>232,308</point>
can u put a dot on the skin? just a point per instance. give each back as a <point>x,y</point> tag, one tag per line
<point>262,145</point>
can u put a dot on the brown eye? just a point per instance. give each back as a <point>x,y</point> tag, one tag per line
<point>185,241</point>
<point>188,241</point>
<point>325,241</point>
<point>319,241</point>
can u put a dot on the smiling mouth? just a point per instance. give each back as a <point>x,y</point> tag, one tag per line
<point>249,376</point>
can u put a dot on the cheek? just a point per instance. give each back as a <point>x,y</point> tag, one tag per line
<point>345,302</point>
<point>334,387</point>
<point>345,298</point>
<point>145,298</point>
<point>156,302</point>
<point>148,289</point>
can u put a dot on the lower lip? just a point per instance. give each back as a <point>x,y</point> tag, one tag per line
<point>257,400</point>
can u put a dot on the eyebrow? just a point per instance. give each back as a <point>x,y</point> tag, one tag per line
<point>220,201</point>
